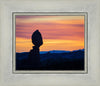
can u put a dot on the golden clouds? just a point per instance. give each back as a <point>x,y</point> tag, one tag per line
<point>59,32</point>
<point>24,45</point>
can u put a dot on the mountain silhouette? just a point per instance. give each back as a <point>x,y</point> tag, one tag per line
<point>54,60</point>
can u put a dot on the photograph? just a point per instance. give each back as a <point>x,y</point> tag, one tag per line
<point>49,42</point>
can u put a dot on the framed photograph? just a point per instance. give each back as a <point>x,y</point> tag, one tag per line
<point>49,43</point>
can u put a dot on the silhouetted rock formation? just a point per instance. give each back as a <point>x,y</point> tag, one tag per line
<point>37,38</point>
<point>34,56</point>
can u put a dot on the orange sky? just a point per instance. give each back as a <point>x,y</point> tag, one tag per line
<point>58,32</point>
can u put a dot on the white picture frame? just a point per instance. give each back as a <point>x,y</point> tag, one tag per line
<point>14,14</point>
<point>8,78</point>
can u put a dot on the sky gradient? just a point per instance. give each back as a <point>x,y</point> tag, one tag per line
<point>58,32</point>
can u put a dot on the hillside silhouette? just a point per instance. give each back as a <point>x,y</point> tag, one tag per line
<point>53,60</point>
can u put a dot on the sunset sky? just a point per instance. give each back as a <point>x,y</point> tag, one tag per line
<point>58,32</point>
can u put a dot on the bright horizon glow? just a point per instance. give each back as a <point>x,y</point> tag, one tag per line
<point>58,32</point>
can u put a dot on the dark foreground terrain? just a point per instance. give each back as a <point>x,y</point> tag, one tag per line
<point>73,60</point>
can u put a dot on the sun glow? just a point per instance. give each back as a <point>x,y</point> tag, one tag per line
<point>58,32</point>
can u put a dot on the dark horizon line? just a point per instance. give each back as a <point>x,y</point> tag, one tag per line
<point>55,50</point>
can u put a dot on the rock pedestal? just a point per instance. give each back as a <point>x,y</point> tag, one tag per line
<point>34,56</point>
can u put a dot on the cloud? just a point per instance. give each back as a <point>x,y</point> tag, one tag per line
<point>52,28</point>
<point>24,45</point>
<point>54,19</point>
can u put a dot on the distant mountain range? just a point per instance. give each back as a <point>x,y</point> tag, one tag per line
<point>55,51</point>
<point>55,60</point>
<point>59,51</point>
